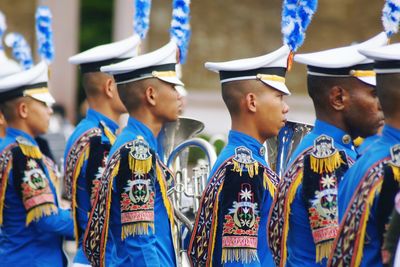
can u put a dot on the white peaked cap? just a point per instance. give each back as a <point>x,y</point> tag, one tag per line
<point>91,60</point>
<point>157,64</point>
<point>344,61</point>
<point>269,68</point>
<point>8,66</point>
<point>387,58</point>
<point>31,82</point>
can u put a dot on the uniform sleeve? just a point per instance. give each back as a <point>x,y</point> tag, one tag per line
<point>60,223</point>
<point>135,194</point>
<point>38,198</point>
<point>240,207</point>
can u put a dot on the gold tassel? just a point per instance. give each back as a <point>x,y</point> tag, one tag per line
<point>252,168</point>
<point>38,212</point>
<point>3,189</point>
<point>242,255</point>
<point>268,184</point>
<point>166,200</point>
<point>323,250</point>
<point>30,151</point>
<point>396,173</point>
<point>291,194</point>
<point>133,229</point>
<point>363,224</point>
<point>327,164</point>
<point>109,134</point>
<point>143,166</point>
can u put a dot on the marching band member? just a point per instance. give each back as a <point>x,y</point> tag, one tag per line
<point>88,147</point>
<point>367,192</point>
<point>132,202</point>
<point>230,227</point>
<point>303,221</point>
<point>32,224</point>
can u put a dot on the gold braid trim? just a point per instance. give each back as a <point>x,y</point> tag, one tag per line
<point>290,197</point>
<point>363,224</point>
<point>252,168</point>
<point>166,200</point>
<point>84,156</point>
<point>108,206</point>
<point>109,134</point>
<point>136,165</point>
<point>268,184</point>
<point>244,255</point>
<point>214,228</point>
<point>396,172</point>
<point>3,189</point>
<point>327,164</point>
<point>30,151</point>
<point>38,212</point>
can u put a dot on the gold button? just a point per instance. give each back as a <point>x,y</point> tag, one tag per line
<point>346,139</point>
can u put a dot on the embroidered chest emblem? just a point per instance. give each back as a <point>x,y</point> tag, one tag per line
<point>324,205</point>
<point>243,159</point>
<point>240,229</point>
<point>244,211</point>
<point>34,176</point>
<point>138,190</point>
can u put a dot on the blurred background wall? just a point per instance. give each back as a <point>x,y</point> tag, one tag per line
<point>221,30</point>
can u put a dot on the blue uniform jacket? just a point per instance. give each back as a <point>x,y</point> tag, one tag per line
<point>234,191</point>
<point>40,242</point>
<point>300,243</point>
<point>380,150</point>
<point>91,168</point>
<point>156,247</point>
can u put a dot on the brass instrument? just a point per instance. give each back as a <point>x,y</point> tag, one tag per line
<point>176,138</point>
<point>281,147</point>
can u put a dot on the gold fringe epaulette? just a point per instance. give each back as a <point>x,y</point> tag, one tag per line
<point>29,149</point>
<point>243,255</point>
<point>40,211</point>
<point>140,158</point>
<point>244,159</point>
<point>326,164</point>
<point>325,157</point>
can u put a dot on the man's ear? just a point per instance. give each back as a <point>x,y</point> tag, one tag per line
<point>338,97</point>
<point>251,102</point>
<point>110,88</point>
<point>22,109</point>
<point>151,95</point>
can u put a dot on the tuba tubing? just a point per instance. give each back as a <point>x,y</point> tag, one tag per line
<point>198,142</point>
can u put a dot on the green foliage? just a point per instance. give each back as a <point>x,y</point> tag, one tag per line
<point>196,153</point>
<point>95,29</point>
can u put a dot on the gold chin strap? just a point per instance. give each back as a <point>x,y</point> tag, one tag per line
<point>158,74</point>
<point>362,73</point>
<point>269,77</point>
